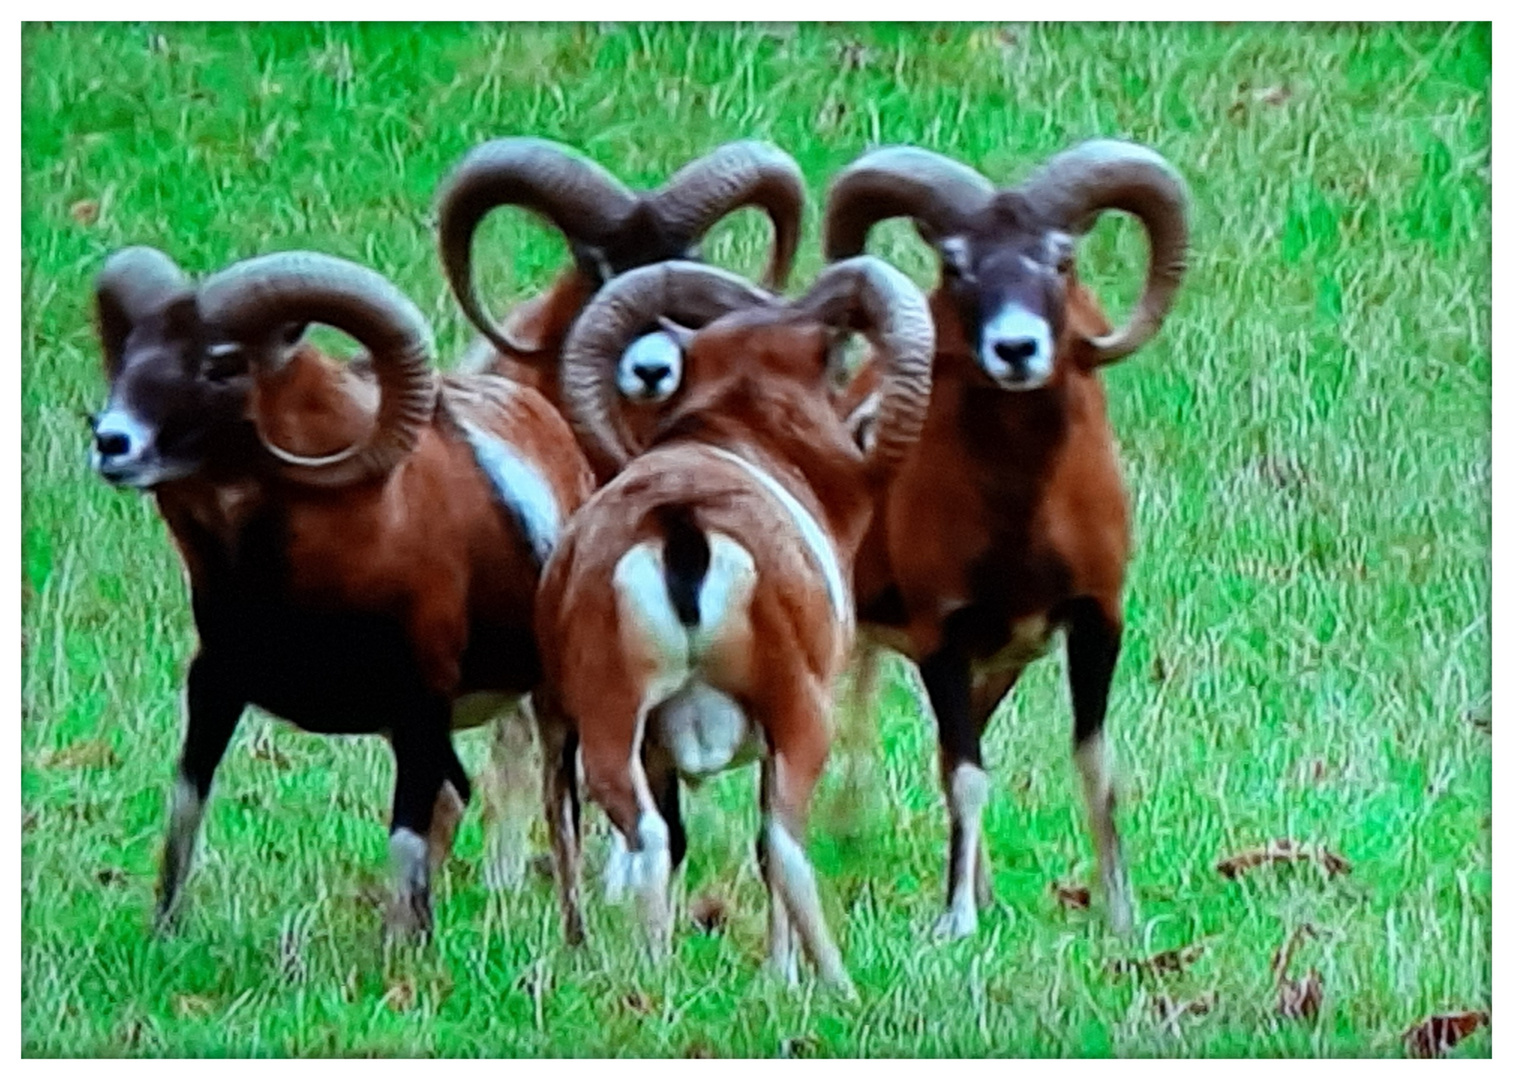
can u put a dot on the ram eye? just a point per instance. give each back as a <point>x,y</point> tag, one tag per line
<point>222,362</point>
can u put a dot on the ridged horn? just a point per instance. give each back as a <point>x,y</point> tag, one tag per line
<point>579,197</point>
<point>134,282</point>
<point>899,181</point>
<point>737,175</point>
<point>1075,186</point>
<point>690,293</point>
<point>251,300</point>
<point>865,294</point>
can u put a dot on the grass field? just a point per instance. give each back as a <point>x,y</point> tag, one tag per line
<point>1307,445</point>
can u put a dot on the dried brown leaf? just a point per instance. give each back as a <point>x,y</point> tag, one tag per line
<point>1169,1010</point>
<point>85,212</point>
<point>85,754</point>
<point>1282,851</point>
<point>187,1005</point>
<point>1299,999</point>
<point>709,913</point>
<point>1071,895</point>
<point>263,748</point>
<point>1162,963</point>
<point>400,996</point>
<point>639,1002</point>
<point>1435,1036</point>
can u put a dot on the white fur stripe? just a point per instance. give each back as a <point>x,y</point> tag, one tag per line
<point>524,491</point>
<point>810,529</point>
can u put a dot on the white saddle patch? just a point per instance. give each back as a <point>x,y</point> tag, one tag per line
<point>521,487</point>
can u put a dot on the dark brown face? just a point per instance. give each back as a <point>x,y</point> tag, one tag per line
<point>1007,275</point>
<point>175,395</point>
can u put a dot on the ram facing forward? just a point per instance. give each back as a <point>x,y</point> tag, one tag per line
<point>1009,520</point>
<point>609,229</point>
<point>363,542</point>
<point>698,609</point>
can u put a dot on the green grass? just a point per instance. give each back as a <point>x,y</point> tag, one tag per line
<point>1307,445</point>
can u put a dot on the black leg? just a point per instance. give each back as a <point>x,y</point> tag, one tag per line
<point>215,704</point>
<point>1092,650</point>
<point>662,778</point>
<point>948,681</point>
<point>423,760</point>
<point>559,793</point>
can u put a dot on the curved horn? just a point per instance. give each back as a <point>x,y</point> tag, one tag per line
<point>253,299</point>
<point>579,197</point>
<point>866,294</point>
<point>738,174</point>
<point>691,293</point>
<point>134,283</point>
<point>1075,186</point>
<point>899,181</point>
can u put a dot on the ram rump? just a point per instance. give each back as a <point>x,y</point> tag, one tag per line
<point>698,609</point>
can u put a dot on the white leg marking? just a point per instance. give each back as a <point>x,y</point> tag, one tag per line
<point>185,812</point>
<point>1098,794</point>
<point>968,796</point>
<point>797,891</point>
<point>616,869</point>
<point>650,873</point>
<point>409,858</point>
<point>782,950</point>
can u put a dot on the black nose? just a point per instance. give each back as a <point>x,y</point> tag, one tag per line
<point>111,443</point>
<point>1016,351</point>
<point>652,374</point>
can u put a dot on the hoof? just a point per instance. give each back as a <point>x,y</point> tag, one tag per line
<point>954,925</point>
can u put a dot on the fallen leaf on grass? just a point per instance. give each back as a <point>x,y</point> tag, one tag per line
<point>1297,999</point>
<point>639,1002</point>
<point>85,212</point>
<point>400,996</point>
<point>1071,895</point>
<point>709,913</point>
<point>1162,963</point>
<point>263,748</point>
<point>698,1050</point>
<point>1282,851</point>
<point>1273,95</point>
<point>85,754</point>
<point>1170,1010</point>
<point>1435,1036</point>
<point>187,1005</point>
